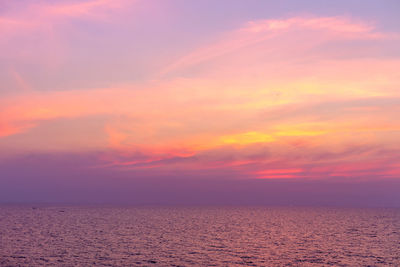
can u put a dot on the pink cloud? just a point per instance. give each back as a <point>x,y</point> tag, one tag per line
<point>256,32</point>
<point>255,92</point>
<point>77,9</point>
<point>35,31</point>
<point>336,24</point>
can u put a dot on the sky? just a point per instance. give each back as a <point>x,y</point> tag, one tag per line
<point>200,102</point>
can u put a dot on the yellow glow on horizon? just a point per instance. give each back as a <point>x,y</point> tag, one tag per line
<point>247,138</point>
<point>294,132</point>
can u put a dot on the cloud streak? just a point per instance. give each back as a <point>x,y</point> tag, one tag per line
<point>251,103</point>
<point>322,29</point>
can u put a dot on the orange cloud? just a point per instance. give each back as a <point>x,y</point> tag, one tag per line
<point>8,130</point>
<point>253,90</point>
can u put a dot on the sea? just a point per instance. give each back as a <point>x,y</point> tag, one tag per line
<point>48,235</point>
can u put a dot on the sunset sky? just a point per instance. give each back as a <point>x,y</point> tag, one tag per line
<point>215,102</point>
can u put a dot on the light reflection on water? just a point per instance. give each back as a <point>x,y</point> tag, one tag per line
<point>205,236</point>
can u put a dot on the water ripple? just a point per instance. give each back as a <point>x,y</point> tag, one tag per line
<point>161,236</point>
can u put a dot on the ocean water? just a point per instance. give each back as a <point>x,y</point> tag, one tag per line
<point>198,236</point>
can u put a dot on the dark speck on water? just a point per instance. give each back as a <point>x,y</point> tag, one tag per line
<point>198,236</point>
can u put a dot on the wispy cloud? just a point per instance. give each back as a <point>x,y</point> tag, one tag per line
<point>318,29</point>
<point>251,102</point>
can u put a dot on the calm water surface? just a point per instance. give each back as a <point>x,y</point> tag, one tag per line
<point>199,236</point>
